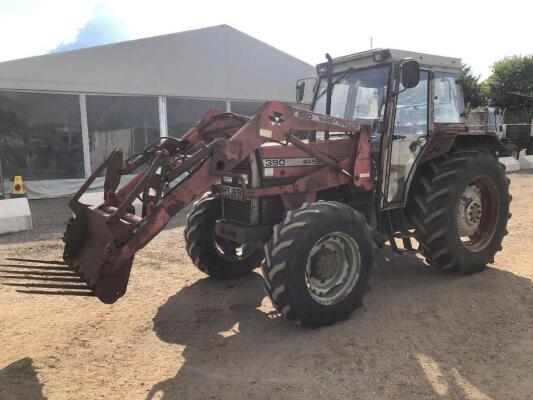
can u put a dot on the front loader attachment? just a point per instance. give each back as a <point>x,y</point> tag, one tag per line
<point>88,242</point>
<point>101,241</point>
<point>92,236</point>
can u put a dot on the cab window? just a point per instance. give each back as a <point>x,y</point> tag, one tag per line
<point>412,109</point>
<point>356,94</point>
<point>448,101</point>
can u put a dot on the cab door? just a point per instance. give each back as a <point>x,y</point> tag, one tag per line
<point>409,136</point>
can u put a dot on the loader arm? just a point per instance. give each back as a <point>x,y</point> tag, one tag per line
<point>101,241</point>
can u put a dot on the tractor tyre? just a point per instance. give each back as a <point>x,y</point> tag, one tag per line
<point>460,209</point>
<point>318,263</point>
<point>217,257</point>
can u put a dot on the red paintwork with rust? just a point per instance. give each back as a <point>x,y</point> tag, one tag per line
<point>240,146</point>
<point>340,148</point>
<point>229,139</point>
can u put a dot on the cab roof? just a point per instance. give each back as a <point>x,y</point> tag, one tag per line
<point>384,56</point>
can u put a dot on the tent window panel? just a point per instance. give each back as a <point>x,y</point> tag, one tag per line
<point>128,123</point>
<point>182,114</point>
<point>40,136</point>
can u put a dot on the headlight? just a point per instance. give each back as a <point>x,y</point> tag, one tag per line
<point>243,179</point>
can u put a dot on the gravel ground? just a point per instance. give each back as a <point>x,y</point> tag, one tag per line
<point>421,334</point>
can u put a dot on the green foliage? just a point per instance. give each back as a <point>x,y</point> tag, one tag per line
<point>472,92</point>
<point>512,74</point>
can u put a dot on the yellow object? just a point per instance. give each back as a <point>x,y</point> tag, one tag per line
<point>18,187</point>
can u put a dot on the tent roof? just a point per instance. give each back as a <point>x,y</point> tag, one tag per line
<point>215,62</point>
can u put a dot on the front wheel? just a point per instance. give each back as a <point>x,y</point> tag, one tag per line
<point>217,257</point>
<point>318,263</point>
<point>460,210</point>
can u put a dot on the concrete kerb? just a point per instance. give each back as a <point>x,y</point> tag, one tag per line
<point>511,164</point>
<point>526,162</point>
<point>15,215</point>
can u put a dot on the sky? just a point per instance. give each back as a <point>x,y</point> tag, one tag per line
<point>479,32</point>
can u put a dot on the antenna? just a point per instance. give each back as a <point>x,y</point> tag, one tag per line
<point>371,43</point>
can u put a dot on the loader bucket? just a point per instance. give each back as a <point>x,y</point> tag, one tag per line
<point>90,240</point>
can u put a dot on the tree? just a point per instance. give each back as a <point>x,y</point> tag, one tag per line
<point>512,74</point>
<point>471,87</point>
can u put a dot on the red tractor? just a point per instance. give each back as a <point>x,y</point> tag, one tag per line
<point>384,155</point>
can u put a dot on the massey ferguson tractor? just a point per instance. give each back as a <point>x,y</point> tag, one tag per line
<point>380,154</point>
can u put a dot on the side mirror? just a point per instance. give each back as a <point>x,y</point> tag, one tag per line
<point>304,96</point>
<point>410,74</point>
<point>300,90</point>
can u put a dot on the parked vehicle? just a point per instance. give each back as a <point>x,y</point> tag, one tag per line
<point>383,155</point>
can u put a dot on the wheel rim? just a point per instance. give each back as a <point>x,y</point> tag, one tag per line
<point>477,213</point>
<point>231,251</point>
<point>333,267</point>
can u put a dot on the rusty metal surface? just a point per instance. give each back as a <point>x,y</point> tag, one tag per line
<point>338,147</point>
<point>101,242</point>
<point>443,138</point>
<point>362,173</point>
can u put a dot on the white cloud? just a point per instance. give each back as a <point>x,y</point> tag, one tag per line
<point>473,30</point>
<point>42,28</point>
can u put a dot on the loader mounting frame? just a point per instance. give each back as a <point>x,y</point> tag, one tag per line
<point>101,241</point>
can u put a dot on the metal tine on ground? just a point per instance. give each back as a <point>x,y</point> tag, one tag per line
<point>57,293</point>
<point>41,278</point>
<point>73,286</point>
<point>58,262</point>
<point>39,273</point>
<point>39,267</point>
<point>49,278</point>
<point>47,286</point>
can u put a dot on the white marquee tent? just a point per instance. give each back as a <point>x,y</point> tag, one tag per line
<point>62,113</point>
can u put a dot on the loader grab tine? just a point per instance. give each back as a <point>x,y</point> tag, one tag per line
<point>38,267</point>
<point>40,273</point>
<point>40,278</point>
<point>56,293</point>
<point>31,260</point>
<point>47,286</point>
<point>52,278</point>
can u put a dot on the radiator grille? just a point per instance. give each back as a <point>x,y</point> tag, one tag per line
<point>238,211</point>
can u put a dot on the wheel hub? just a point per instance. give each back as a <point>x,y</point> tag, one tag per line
<point>469,211</point>
<point>324,263</point>
<point>333,268</point>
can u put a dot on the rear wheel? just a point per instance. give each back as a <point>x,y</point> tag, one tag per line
<point>318,263</point>
<point>460,210</point>
<point>217,257</point>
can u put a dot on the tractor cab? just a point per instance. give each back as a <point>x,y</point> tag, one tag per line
<point>402,95</point>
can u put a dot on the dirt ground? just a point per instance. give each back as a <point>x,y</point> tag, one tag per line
<point>421,334</point>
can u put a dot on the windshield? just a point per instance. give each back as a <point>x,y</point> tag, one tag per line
<point>357,94</point>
